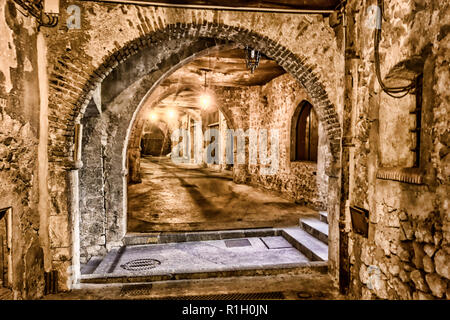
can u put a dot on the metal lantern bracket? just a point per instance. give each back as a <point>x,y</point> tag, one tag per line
<point>36,9</point>
<point>360,220</point>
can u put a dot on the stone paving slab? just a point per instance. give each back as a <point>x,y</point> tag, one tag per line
<point>276,243</point>
<point>158,237</point>
<point>323,216</point>
<point>308,268</point>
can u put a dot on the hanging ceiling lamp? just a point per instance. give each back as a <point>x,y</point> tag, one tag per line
<point>171,113</point>
<point>153,116</point>
<point>206,97</point>
<point>252,57</point>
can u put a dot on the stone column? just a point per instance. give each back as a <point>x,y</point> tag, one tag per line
<point>134,152</point>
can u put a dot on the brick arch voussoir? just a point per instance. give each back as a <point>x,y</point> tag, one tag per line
<point>78,96</point>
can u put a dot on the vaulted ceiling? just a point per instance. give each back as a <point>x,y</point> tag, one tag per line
<point>226,68</point>
<point>222,67</point>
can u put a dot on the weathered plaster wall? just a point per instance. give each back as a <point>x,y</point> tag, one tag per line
<point>19,138</point>
<point>407,253</point>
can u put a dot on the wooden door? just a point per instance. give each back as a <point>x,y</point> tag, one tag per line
<point>3,251</point>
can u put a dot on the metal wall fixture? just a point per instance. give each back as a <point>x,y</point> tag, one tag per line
<point>417,112</point>
<point>36,8</point>
<point>360,220</point>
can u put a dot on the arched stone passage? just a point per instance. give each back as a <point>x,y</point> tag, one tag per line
<point>155,139</point>
<point>161,93</point>
<point>145,62</point>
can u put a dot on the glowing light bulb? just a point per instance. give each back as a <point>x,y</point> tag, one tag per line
<point>153,116</point>
<point>171,113</point>
<point>205,100</point>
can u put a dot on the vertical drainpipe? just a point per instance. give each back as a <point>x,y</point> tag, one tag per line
<point>344,260</point>
<point>43,151</point>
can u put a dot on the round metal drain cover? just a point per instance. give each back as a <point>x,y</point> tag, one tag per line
<point>141,264</point>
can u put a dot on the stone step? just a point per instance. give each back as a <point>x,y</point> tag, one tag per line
<point>316,228</point>
<point>311,247</point>
<point>323,216</point>
<point>108,261</point>
<point>92,265</point>
<point>169,237</point>
<point>319,267</point>
<point>322,287</point>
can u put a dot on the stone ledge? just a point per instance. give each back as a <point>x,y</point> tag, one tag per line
<point>407,175</point>
<point>303,163</point>
<point>161,238</point>
<point>312,268</point>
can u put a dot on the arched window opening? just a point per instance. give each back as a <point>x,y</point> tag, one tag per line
<point>305,133</point>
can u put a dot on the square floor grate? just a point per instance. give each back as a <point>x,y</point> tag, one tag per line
<point>146,290</point>
<point>136,290</point>
<point>233,243</point>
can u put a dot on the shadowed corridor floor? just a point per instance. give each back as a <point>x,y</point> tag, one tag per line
<point>186,197</point>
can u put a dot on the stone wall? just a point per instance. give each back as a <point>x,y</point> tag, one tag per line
<point>303,181</point>
<point>272,106</point>
<point>19,139</point>
<point>407,252</point>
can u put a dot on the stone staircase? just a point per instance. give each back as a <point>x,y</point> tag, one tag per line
<point>311,237</point>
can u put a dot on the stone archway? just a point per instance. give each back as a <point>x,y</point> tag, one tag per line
<point>178,33</point>
<point>161,93</point>
<point>159,54</point>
